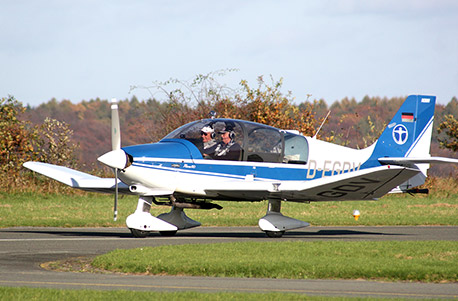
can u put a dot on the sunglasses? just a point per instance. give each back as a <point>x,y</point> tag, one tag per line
<point>204,134</point>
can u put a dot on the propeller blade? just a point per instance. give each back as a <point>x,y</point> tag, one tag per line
<point>115,207</point>
<point>115,131</point>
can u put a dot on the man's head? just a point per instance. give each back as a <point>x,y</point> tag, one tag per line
<point>227,134</point>
<point>207,133</point>
<point>226,137</point>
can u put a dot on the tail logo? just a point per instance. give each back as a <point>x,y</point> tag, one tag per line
<point>400,134</point>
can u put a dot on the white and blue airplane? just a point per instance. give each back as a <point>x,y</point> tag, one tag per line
<point>193,166</point>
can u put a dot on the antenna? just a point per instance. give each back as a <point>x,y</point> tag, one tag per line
<point>325,118</point>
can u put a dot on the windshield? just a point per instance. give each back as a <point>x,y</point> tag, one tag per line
<point>238,140</point>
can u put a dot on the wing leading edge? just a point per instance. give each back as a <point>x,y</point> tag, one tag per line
<point>77,179</point>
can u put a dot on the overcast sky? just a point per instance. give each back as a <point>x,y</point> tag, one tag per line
<point>81,50</point>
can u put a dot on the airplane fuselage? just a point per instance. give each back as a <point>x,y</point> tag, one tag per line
<point>176,165</point>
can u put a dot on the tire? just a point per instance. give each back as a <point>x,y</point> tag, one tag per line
<point>274,234</point>
<point>138,233</point>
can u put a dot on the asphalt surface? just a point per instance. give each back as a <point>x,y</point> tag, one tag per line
<point>23,250</point>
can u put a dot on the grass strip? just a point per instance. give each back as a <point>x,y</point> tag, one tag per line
<point>96,210</point>
<point>427,261</point>
<point>22,293</point>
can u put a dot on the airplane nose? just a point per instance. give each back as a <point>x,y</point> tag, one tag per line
<point>115,159</point>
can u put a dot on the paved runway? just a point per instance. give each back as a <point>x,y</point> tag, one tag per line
<point>22,250</point>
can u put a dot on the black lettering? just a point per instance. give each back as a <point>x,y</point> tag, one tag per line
<point>348,188</point>
<point>331,194</point>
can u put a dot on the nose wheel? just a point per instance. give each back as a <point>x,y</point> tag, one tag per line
<point>138,233</point>
<point>274,234</point>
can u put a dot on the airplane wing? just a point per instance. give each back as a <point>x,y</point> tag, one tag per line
<point>366,184</point>
<point>77,179</point>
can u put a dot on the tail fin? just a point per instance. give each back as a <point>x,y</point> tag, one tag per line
<point>409,132</point>
<point>407,139</point>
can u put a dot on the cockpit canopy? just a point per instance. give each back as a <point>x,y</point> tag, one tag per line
<point>256,142</point>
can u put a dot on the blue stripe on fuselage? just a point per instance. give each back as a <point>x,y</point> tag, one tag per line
<point>178,155</point>
<point>235,170</point>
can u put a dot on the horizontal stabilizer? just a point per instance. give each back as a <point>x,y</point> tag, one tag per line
<point>403,161</point>
<point>77,179</point>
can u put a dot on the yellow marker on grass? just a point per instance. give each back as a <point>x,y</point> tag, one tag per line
<point>356,214</point>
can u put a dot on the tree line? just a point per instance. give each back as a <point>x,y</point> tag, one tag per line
<point>74,135</point>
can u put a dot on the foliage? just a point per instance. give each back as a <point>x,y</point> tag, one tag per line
<point>20,142</point>
<point>184,101</point>
<point>17,140</point>
<point>55,143</point>
<point>188,101</point>
<point>359,124</point>
<point>268,105</point>
<point>450,127</point>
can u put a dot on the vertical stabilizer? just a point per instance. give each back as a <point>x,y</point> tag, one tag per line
<point>408,135</point>
<point>409,132</point>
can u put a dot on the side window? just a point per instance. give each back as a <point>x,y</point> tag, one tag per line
<point>264,145</point>
<point>296,149</point>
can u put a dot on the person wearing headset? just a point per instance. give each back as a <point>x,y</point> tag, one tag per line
<point>227,149</point>
<point>209,144</point>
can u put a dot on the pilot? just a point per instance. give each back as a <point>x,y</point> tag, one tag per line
<point>209,144</point>
<point>227,149</point>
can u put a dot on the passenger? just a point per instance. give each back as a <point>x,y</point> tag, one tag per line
<point>209,143</point>
<point>227,149</point>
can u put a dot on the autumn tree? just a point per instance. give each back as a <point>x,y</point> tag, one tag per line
<point>450,127</point>
<point>20,142</point>
<point>17,139</point>
<point>55,143</point>
<point>267,104</point>
<point>190,100</point>
<point>183,101</point>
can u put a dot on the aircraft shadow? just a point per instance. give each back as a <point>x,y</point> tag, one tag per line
<point>73,233</point>
<point>320,234</point>
<point>324,234</point>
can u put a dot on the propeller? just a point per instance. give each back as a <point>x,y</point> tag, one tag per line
<point>116,158</point>
<point>115,146</point>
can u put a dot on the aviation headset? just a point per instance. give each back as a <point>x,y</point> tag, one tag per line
<point>229,129</point>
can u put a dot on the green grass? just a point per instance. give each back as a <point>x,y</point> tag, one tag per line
<point>20,293</point>
<point>96,210</point>
<point>428,261</point>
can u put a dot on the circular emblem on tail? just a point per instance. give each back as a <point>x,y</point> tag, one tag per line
<point>400,134</point>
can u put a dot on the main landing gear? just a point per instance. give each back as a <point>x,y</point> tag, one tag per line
<point>141,222</point>
<point>274,224</point>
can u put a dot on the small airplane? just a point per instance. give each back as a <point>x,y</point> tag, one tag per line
<point>235,160</point>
